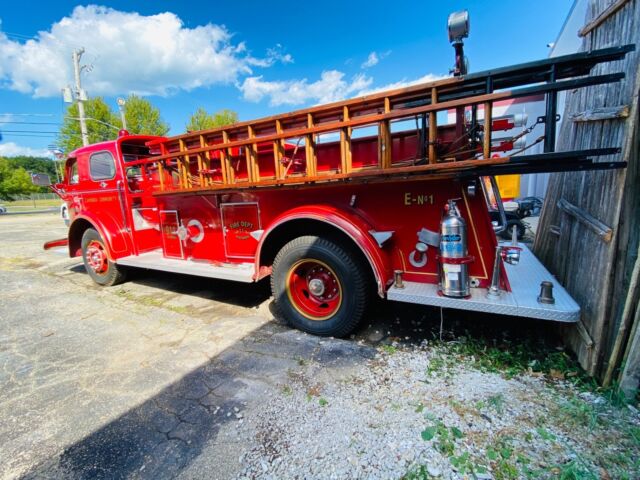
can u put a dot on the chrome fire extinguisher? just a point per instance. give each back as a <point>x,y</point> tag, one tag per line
<point>454,256</point>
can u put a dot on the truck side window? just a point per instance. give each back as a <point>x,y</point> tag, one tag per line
<point>73,172</point>
<point>102,166</point>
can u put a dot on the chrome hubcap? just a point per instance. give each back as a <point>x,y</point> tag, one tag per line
<point>316,287</point>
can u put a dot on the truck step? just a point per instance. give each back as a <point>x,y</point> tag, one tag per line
<point>522,301</point>
<point>155,260</point>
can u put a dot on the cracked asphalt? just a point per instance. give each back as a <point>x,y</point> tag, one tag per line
<point>150,379</point>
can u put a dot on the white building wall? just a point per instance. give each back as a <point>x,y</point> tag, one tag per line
<point>567,42</point>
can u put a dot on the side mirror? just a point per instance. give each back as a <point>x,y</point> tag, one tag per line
<point>40,179</point>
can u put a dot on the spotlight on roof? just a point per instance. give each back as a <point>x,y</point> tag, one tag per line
<point>458,26</point>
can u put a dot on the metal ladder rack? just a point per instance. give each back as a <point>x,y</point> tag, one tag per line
<point>257,153</point>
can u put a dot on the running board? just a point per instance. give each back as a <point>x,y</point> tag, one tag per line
<point>241,272</point>
<point>521,301</point>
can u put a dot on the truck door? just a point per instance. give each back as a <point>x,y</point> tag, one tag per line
<point>238,221</point>
<point>104,193</point>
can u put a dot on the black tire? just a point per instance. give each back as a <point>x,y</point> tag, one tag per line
<point>352,275</point>
<point>508,231</point>
<point>112,275</point>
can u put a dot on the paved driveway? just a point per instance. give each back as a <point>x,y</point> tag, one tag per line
<point>150,379</point>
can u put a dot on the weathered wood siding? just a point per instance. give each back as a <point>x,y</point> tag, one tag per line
<point>594,268</point>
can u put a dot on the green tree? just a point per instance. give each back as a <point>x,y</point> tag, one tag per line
<point>201,120</point>
<point>35,165</point>
<point>14,181</point>
<point>143,118</point>
<point>99,118</point>
<point>103,123</point>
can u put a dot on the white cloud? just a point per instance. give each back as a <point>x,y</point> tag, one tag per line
<point>330,87</point>
<point>374,58</point>
<point>11,149</point>
<point>130,52</point>
<point>274,55</point>
<point>429,77</point>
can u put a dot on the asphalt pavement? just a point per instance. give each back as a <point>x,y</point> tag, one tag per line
<point>148,379</point>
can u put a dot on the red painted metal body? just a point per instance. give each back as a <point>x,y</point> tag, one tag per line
<point>234,227</point>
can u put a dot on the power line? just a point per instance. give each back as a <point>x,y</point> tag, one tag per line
<point>27,115</point>
<point>27,131</point>
<point>28,135</point>
<point>30,123</point>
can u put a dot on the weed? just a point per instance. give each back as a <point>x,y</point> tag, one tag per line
<point>574,470</point>
<point>614,395</point>
<point>441,364</point>
<point>546,434</point>
<point>287,390</point>
<point>503,461</point>
<point>445,437</point>
<point>511,358</point>
<point>322,402</point>
<point>417,473</point>
<point>578,411</point>
<point>445,442</point>
<point>389,349</point>
<point>496,402</point>
<point>464,464</point>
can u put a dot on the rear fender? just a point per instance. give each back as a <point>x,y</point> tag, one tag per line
<point>351,224</point>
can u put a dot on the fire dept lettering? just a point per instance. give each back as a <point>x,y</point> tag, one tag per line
<point>241,229</point>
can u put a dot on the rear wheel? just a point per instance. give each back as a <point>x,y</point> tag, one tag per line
<point>94,254</point>
<point>319,286</point>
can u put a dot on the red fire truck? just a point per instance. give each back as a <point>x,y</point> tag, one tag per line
<point>339,202</point>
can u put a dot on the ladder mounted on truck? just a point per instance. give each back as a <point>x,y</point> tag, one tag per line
<point>321,144</point>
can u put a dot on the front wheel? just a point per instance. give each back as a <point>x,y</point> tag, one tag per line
<point>96,262</point>
<point>319,286</point>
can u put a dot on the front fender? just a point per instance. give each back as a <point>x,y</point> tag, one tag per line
<point>351,224</point>
<point>115,239</point>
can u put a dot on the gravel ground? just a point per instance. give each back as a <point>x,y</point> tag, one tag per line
<point>423,413</point>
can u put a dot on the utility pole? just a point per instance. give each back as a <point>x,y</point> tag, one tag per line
<point>121,104</point>
<point>80,95</point>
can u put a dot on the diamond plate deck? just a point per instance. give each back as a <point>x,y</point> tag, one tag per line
<point>524,279</point>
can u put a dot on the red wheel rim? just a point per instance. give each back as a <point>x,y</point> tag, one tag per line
<point>97,257</point>
<point>314,289</point>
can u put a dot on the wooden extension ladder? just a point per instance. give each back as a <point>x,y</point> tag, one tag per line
<point>259,153</point>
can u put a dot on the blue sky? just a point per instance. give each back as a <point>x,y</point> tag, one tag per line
<point>258,59</point>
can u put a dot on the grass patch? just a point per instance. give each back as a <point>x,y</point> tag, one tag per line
<point>389,349</point>
<point>151,301</point>
<point>48,202</point>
